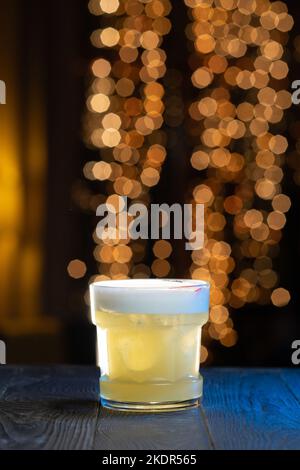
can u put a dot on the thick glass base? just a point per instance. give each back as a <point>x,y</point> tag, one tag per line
<point>150,407</point>
<point>147,392</point>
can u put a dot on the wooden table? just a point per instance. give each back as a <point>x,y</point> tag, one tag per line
<point>57,408</point>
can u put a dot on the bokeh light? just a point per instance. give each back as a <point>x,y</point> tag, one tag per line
<point>125,115</point>
<point>77,269</point>
<point>235,125</point>
<point>239,68</point>
<point>280,297</point>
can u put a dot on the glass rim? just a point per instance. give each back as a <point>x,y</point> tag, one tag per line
<point>150,284</point>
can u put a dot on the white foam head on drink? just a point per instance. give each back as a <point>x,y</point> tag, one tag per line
<point>150,296</point>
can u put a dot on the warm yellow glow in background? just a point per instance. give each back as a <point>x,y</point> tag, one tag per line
<point>23,160</point>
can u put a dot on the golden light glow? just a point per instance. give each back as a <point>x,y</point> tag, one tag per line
<point>239,71</point>
<point>280,297</point>
<point>125,116</point>
<point>109,6</point>
<point>23,168</point>
<point>238,46</point>
<point>162,249</point>
<point>77,269</point>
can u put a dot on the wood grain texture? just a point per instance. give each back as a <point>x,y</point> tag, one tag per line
<point>251,409</point>
<point>183,430</point>
<point>57,408</point>
<point>48,408</point>
<point>291,378</point>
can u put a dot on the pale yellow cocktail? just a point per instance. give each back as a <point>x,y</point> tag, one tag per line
<point>150,359</point>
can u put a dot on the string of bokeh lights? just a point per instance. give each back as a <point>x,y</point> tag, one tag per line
<point>238,65</point>
<point>124,121</point>
<point>236,125</point>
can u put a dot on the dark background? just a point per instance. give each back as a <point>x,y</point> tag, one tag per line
<point>52,47</point>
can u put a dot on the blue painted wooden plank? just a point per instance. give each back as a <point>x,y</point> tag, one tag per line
<point>56,408</point>
<point>291,377</point>
<point>250,409</point>
<point>48,408</point>
<point>184,430</point>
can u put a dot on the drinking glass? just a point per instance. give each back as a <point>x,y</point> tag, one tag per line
<point>149,341</point>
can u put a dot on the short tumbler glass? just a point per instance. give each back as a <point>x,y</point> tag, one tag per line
<point>149,342</point>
